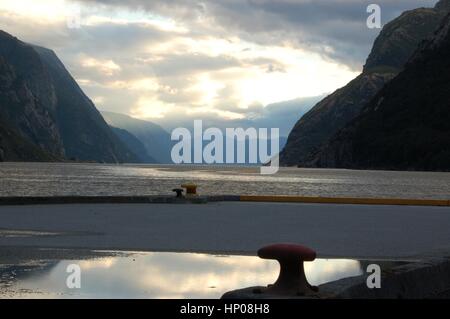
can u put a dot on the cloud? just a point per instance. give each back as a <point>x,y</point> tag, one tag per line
<point>173,61</point>
<point>281,115</point>
<point>189,63</point>
<point>105,67</point>
<point>336,29</point>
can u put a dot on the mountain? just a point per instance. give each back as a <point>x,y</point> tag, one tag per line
<point>42,103</point>
<point>85,134</point>
<point>282,115</point>
<point>134,144</point>
<point>407,125</point>
<point>27,97</point>
<point>155,139</point>
<point>391,50</point>
<point>14,147</point>
<point>150,134</point>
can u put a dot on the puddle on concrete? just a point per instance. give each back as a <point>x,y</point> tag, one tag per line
<point>24,233</point>
<point>152,274</point>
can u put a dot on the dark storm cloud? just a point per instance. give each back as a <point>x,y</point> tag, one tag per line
<point>335,29</point>
<point>110,40</point>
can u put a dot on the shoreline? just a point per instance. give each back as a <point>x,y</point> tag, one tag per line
<point>157,199</point>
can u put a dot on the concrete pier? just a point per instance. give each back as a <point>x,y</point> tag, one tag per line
<point>333,230</point>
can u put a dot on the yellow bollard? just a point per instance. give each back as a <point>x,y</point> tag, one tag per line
<point>191,188</point>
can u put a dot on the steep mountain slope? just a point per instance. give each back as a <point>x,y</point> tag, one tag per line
<point>134,144</point>
<point>85,134</point>
<point>27,96</point>
<point>13,147</point>
<point>391,50</point>
<point>155,139</point>
<point>41,102</point>
<point>407,125</point>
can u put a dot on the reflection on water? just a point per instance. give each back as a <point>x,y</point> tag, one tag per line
<point>49,179</point>
<point>157,275</point>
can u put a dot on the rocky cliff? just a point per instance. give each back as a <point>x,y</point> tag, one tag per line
<point>391,50</point>
<point>14,148</point>
<point>406,126</point>
<point>27,96</point>
<point>42,103</point>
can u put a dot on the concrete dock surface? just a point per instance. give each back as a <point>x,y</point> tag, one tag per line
<point>333,230</point>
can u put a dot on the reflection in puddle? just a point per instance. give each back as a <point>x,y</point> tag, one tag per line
<point>24,233</point>
<point>157,275</point>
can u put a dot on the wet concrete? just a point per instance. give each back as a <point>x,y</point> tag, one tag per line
<point>348,231</point>
<point>42,273</point>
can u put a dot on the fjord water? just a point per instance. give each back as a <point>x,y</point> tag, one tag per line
<point>57,179</point>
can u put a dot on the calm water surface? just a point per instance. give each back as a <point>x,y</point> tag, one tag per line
<point>47,179</point>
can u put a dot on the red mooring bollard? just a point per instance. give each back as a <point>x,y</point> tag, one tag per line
<point>292,279</point>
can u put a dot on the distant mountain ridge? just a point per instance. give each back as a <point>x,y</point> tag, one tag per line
<point>392,49</point>
<point>407,125</point>
<point>42,104</point>
<point>155,139</point>
<point>135,145</point>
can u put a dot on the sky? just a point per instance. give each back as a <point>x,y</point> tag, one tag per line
<point>170,61</point>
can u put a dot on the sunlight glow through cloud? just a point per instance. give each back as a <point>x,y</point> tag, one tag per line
<point>50,10</point>
<point>106,67</point>
<point>162,60</point>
